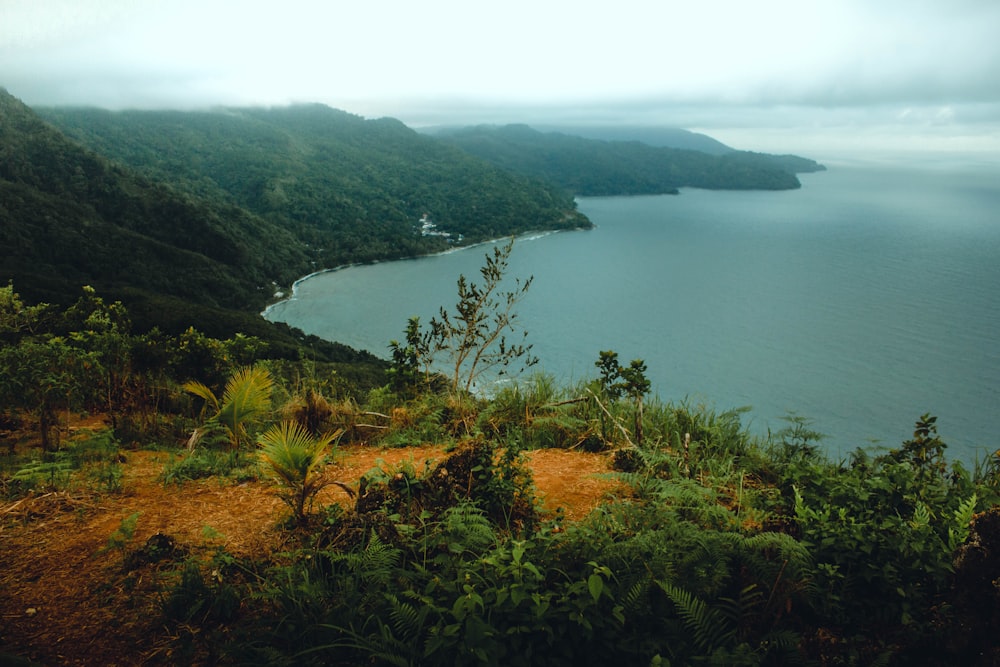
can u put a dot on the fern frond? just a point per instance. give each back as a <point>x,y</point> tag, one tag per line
<point>708,626</point>
<point>378,560</point>
<point>635,597</point>
<point>784,646</point>
<point>959,532</point>
<point>406,620</point>
<point>466,527</point>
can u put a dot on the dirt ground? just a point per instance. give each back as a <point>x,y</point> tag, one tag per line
<point>66,599</point>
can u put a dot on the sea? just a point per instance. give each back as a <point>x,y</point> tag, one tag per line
<point>859,302</point>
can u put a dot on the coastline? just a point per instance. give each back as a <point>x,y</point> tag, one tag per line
<point>525,236</point>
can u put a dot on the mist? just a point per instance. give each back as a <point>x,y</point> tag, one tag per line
<point>778,76</point>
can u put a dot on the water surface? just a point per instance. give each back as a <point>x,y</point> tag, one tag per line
<point>861,301</point>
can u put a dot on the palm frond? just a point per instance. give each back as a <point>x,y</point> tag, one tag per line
<point>202,391</point>
<point>247,396</point>
<point>293,457</point>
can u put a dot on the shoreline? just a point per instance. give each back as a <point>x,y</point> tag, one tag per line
<point>527,236</point>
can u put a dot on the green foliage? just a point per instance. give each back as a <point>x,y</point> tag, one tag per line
<point>475,336</point>
<point>245,400</point>
<point>122,536</point>
<point>617,381</point>
<point>208,461</point>
<point>594,168</point>
<point>411,362</point>
<point>44,375</point>
<point>293,457</point>
<point>35,474</point>
<point>16,317</point>
<point>535,414</point>
<point>91,460</point>
<point>202,601</point>
<point>99,457</point>
<point>724,550</point>
<point>883,532</point>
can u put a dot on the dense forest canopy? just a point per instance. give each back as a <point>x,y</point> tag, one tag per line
<point>198,218</point>
<point>670,137</point>
<point>70,217</point>
<point>591,167</point>
<point>352,189</point>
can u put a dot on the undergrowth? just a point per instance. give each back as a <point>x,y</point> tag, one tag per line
<point>730,550</point>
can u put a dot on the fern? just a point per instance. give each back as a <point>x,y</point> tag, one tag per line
<point>406,620</point>
<point>466,528</point>
<point>959,532</point>
<point>709,628</point>
<point>635,600</point>
<point>376,563</point>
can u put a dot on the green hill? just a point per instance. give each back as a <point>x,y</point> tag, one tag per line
<point>670,137</point>
<point>352,189</point>
<point>591,167</point>
<point>69,217</point>
<point>197,218</point>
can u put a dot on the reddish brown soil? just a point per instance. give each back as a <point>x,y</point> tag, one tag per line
<point>66,600</point>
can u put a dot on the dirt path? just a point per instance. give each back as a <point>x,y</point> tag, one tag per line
<point>66,600</point>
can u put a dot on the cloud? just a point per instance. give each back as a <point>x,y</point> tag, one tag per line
<point>715,63</point>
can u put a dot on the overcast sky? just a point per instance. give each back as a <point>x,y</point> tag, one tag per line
<point>773,75</point>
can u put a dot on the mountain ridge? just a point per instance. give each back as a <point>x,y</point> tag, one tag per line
<point>193,217</point>
<point>594,167</point>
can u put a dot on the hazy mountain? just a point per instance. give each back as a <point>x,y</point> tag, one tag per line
<point>353,189</point>
<point>201,215</point>
<point>666,137</point>
<point>70,217</point>
<point>592,167</point>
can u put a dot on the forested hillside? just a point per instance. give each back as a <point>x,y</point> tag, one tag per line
<point>70,217</point>
<point>670,137</point>
<point>591,167</point>
<point>196,219</point>
<point>352,189</point>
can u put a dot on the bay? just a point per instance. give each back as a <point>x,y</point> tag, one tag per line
<point>861,301</point>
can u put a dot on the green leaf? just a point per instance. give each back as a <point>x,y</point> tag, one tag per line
<point>595,583</point>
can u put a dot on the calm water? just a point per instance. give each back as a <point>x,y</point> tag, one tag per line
<point>861,301</point>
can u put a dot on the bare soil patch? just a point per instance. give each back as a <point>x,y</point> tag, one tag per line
<point>65,599</point>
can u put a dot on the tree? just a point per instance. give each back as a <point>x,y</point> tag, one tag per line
<point>246,398</point>
<point>617,381</point>
<point>44,376</point>
<point>104,330</point>
<point>475,335</point>
<point>39,372</point>
<point>409,359</point>
<point>636,385</point>
<point>16,318</point>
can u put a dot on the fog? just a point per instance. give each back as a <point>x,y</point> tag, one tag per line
<point>774,75</point>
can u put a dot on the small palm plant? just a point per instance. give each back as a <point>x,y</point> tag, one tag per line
<point>294,457</point>
<point>246,398</point>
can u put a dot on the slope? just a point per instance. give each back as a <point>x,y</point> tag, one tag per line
<point>69,217</point>
<point>353,189</point>
<point>591,167</point>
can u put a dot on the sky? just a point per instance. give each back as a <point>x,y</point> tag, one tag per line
<point>771,75</point>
